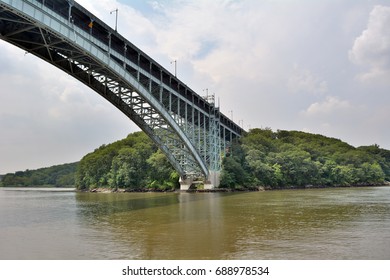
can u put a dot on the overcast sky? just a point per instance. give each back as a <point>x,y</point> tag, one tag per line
<point>317,66</point>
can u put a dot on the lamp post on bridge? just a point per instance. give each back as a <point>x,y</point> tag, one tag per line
<point>207,94</point>
<point>175,62</point>
<point>116,18</point>
<point>231,114</point>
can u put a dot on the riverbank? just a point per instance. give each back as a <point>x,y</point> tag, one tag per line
<point>194,190</point>
<point>237,189</point>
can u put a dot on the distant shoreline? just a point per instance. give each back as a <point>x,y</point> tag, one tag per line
<point>221,190</point>
<point>215,190</point>
<point>39,188</point>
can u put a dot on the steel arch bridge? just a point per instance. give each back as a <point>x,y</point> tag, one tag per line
<point>189,129</point>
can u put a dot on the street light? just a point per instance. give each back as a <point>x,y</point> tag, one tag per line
<point>231,114</point>
<point>116,18</point>
<point>207,93</point>
<point>175,62</point>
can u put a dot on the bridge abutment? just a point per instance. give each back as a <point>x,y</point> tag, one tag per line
<point>209,183</point>
<point>185,184</point>
<point>213,180</point>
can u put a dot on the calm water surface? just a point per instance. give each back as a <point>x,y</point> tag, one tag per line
<point>301,224</point>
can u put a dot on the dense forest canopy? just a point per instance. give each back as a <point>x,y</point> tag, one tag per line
<point>55,176</point>
<point>262,157</point>
<point>132,163</point>
<point>293,158</point>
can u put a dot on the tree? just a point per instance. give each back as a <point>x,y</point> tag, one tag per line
<point>129,169</point>
<point>262,170</point>
<point>233,174</point>
<point>161,173</point>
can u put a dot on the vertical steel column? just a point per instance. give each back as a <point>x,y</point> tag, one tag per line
<point>161,86</point>
<point>178,119</point>
<point>139,66</point>
<point>205,138</point>
<point>124,55</point>
<point>109,44</point>
<point>186,118</point>
<point>193,120</point>
<point>170,103</point>
<point>224,141</point>
<point>70,10</point>
<point>199,132</point>
<point>150,77</point>
<point>218,144</point>
<point>214,138</point>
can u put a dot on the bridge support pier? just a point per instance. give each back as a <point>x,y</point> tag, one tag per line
<point>185,184</point>
<point>213,180</point>
<point>209,183</point>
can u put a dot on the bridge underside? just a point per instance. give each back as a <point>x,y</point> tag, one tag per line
<point>191,131</point>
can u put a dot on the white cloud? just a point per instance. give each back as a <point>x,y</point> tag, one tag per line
<point>372,48</point>
<point>302,80</point>
<point>331,105</point>
<point>157,6</point>
<point>222,39</point>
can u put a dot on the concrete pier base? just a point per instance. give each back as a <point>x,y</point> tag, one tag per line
<point>185,184</point>
<point>209,183</point>
<point>213,180</point>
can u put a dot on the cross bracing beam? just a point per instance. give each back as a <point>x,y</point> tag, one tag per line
<point>187,128</point>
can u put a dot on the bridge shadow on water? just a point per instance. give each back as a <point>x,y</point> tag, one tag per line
<point>92,205</point>
<point>157,225</point>
<point>97,205</point>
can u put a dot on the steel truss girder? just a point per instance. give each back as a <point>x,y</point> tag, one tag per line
<point>190,138</point>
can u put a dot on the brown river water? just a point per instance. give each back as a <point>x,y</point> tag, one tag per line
<point>339,223</point>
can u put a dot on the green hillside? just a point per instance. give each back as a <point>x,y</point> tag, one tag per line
<point>298,159</point>
<point>262,157</point>
<point>55,176</point>
<point>130,163</point>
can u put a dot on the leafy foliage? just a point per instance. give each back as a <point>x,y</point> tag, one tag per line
<point>292,158</point>
<point>132,163</point>
<point>58,176</point>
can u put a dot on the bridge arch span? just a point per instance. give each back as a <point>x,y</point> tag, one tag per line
<point>189,129</point>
